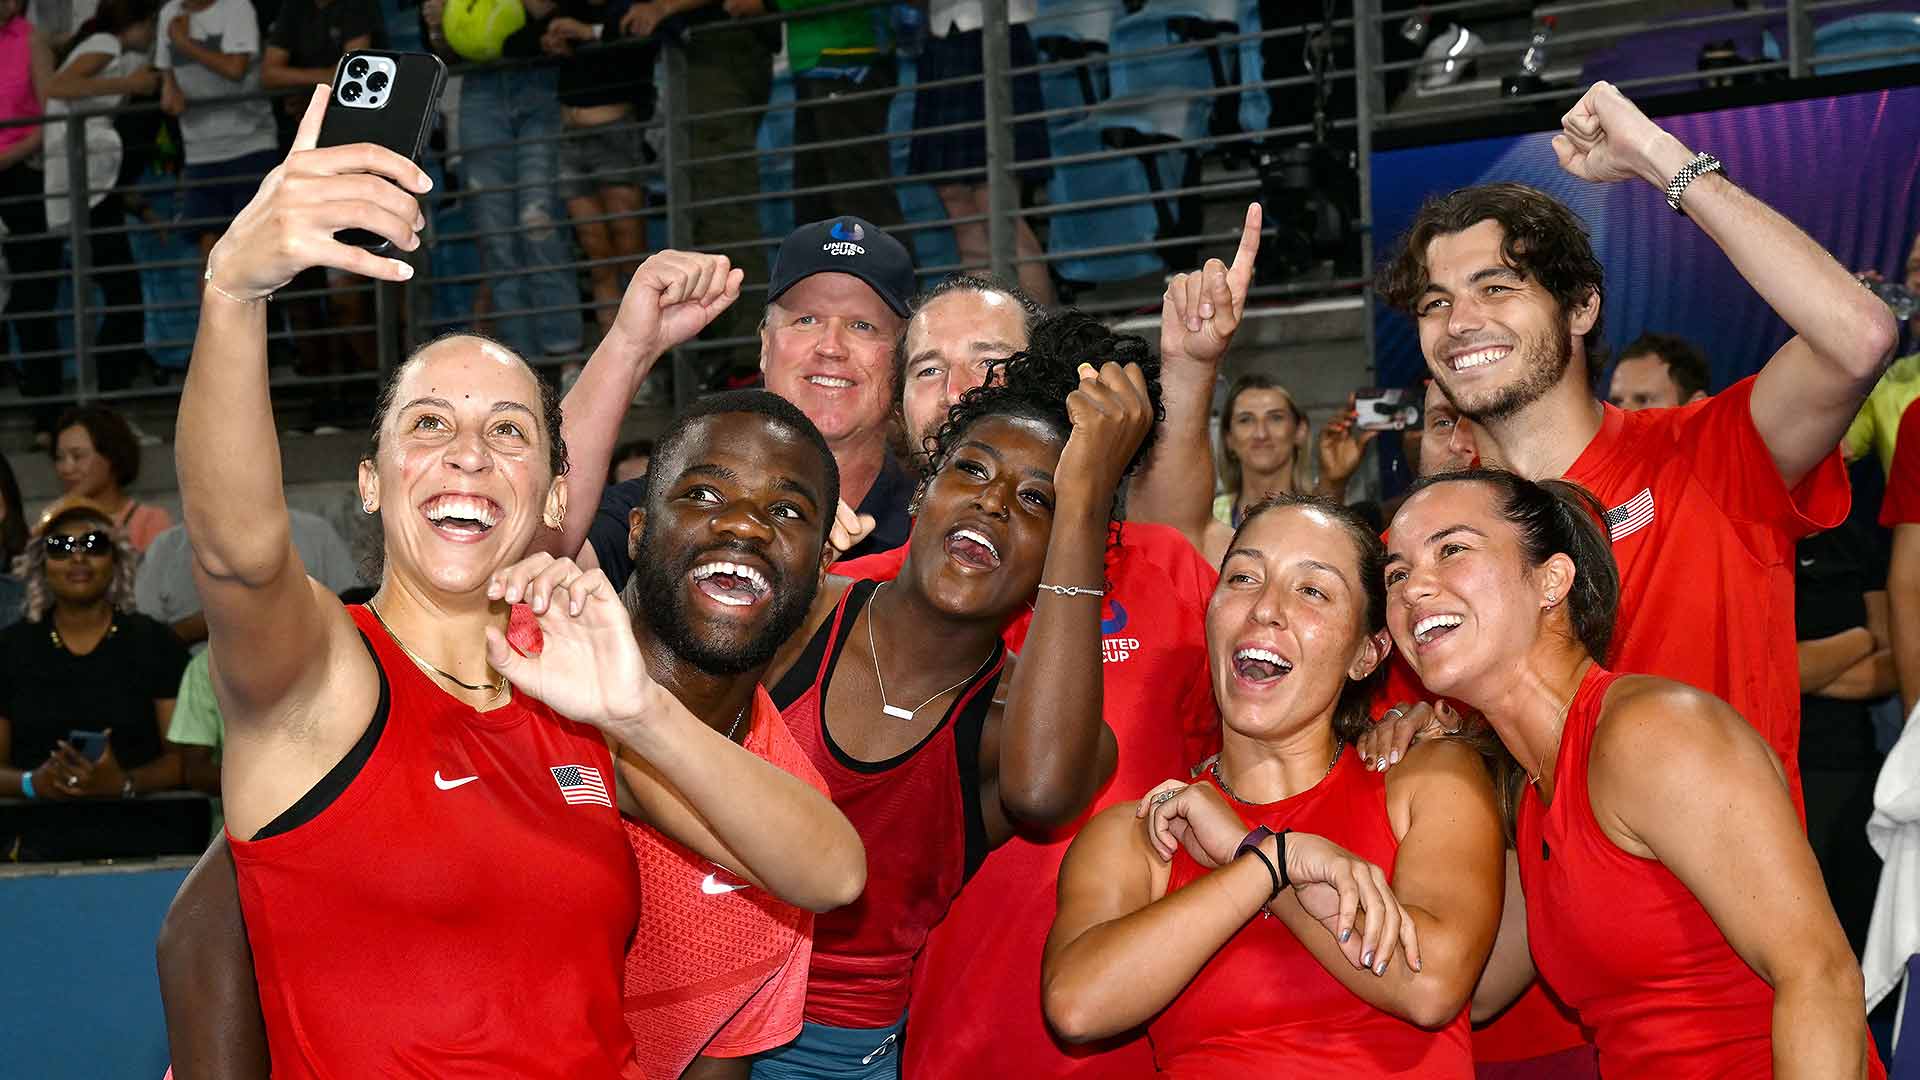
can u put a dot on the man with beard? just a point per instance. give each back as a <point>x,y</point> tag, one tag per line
<point>737,501</point>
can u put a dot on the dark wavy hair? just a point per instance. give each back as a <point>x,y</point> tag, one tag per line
<point>1544,240</point>
<point>112,439</point>
<point>1034,383</point>
<point>1352,713</point>
<point>1686,364</point>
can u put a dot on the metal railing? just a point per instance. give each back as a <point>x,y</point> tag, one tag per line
<point>1172,188</point>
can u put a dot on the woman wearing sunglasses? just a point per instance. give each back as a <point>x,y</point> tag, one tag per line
<point>82,659</point>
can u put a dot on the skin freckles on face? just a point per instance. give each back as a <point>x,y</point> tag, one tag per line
<point>997,485</point>
<point>948,345</point>
<point>1461,600</point>
<point>827,346</point>
<point>1494,339</point>
<point>1286,623</point>
<point>463,475</point>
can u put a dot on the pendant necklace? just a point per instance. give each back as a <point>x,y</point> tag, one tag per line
<point>896,711</point>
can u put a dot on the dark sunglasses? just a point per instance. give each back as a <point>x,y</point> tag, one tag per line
<point>93,543</point>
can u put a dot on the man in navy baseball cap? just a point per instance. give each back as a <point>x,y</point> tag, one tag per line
<point>835,305</point>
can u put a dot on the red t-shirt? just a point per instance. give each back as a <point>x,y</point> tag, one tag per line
<point>1703,531</point>
<point>717,967</point>
<point>1264,1007</point>
<point>428,924</point>
<point>1901,504</point>
<point>985,957</point>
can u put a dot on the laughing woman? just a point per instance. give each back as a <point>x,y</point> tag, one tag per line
<point>1165,922</point>
<point>932,744</point>
<point>432,867</point>
<point>1670,895</point>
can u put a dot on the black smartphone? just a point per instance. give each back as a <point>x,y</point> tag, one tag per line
<point>1385,410</point>
<point>91,745</point>
<point>386,98</point>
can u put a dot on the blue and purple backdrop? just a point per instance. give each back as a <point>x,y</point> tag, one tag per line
<point>1846,168</point>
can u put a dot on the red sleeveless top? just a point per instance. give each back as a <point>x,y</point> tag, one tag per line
<point>1263,1006</point>
<point>917,813</point>
<point>1623,942</point>
<point>423,923</point>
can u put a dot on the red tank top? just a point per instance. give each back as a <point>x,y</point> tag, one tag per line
<point>1263,1006</point>
<point>425,924</point>
<point>918,815</point>
<point>1623,942</point>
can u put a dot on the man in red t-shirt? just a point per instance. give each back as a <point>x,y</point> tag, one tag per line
<point>983,959</point>
<point>1900,511</point>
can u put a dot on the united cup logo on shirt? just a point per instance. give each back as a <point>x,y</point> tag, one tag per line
<point>1114,649</point>
<point>845,236</point>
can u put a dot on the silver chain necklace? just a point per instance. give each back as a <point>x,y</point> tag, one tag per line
<point>896,711</point>
<point>1235,796</point>
<point>737,717</point>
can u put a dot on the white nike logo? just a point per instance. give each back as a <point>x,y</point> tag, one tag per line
<point>1806,562</point>
<point>712,886</point>
<point>449,785</point>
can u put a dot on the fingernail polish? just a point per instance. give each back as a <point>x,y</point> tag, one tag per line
<point>1344,935</point>
<point>1367,958</point>
<point>1393,758</point>
<point>1381,969</point>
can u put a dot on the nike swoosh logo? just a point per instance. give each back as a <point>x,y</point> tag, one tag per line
<point>449,785</point>
<point>1806,562</point>
<point>713,887</point>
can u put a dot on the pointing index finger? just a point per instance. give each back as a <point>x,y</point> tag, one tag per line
<point>1240,274</point>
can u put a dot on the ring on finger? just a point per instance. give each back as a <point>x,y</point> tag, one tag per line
<point>1165,795</point>
<point>1392,714</point>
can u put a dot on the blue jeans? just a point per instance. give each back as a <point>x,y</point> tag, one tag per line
<point>831,1053</point>
<point>521,227</point>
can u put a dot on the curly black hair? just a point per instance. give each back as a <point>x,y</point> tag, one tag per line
<point>1034,383</point>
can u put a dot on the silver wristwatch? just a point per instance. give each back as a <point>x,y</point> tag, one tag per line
<point>1702,164</point>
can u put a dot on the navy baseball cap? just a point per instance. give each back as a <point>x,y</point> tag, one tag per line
<point>845,245</point>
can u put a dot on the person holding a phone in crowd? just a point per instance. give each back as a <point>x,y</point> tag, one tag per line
<point>86,683</point>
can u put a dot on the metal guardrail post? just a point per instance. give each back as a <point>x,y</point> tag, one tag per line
<point>1799,40</point>
<point>676,152</point>
<point>1003,200</point>
<point>77,222</point>
<point>1366,28</point>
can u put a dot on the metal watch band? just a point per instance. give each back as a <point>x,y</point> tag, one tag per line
<point>1702,164</point>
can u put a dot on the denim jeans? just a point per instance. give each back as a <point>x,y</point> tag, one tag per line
<point>523,227</point>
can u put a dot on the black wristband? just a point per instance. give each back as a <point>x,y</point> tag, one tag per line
<point>1271,872</point>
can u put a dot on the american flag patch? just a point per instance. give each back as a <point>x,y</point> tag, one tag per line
<point>1630,516</point>
<point>581,784</point>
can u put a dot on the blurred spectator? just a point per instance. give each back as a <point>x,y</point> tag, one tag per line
<point>953,51</point>
<point>1846,664</point>
<point>833,55</point>
<point>26,66</point>
<point>165,589</point>
<point>207,49</point>
<point>83,660</point>
<point>13,541</point>
<point>602,148</point>
<point>1263,446</point>
<point>59,21</point>
<point>1878,424</point>
<point>630,461</point>
<point>1446,440</point>
<point>197,733</point>
<point>306,41</point>
<point>109,61</point>
<point>1658,371</point>
<point>509,144</point>
<point>96,457</point>
<point>729,69</point>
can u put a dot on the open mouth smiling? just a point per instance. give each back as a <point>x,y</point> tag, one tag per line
<point>731,584</point>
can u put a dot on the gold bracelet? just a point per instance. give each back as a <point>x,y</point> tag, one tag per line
<point>207,280</point>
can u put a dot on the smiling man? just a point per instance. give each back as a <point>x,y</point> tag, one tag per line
<point>728,543</point>
<point>1705,501</point>
<point>835,305</point>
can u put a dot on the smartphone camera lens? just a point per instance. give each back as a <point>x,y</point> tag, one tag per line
<point>357,68</point>
<point>377,81</point>
<point>350,91</point>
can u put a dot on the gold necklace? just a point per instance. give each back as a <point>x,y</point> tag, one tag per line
<point>496,687</point>
<point>1560,722</point>
<point>53,632</point>
<point>1338,746</point>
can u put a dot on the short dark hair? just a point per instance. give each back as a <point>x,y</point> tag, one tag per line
<point>1034,383</point>
<point>957,283</point>
<point>763,403</point>
<point>1544,240</point>
<point>112,439</point>
<point>1686,364</point>
<point>1352,712</point>
<point>550,414</point>
<point>626,451</point>
<point>1557,516</point>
